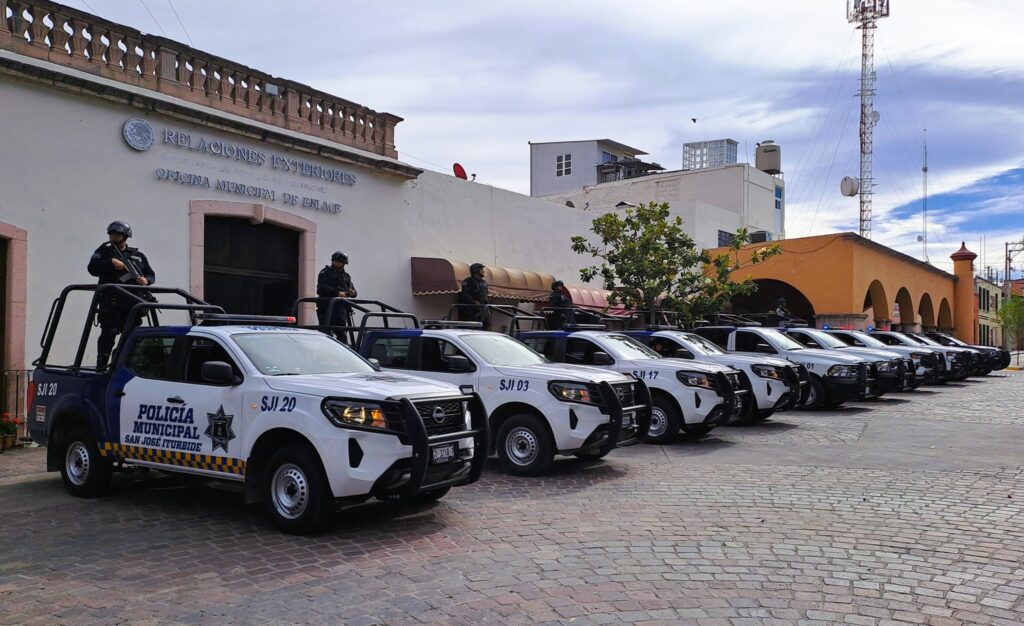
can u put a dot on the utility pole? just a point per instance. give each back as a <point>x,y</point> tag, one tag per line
<point>866,13</point>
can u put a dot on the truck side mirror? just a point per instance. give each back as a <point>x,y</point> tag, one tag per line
<point>217,372</point>
<point>765,348</point>
<point>374,362</point>
<point>459,363</point>
<point>683,353</point>
<point>602,358</point>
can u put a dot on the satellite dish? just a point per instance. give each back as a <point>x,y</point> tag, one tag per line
<point>849,186</point>
<point>875,116</point>
<point>460,172</point>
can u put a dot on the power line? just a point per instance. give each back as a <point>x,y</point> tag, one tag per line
<point>839,142</point>
<point>187,36</point>
<point>162,31</point>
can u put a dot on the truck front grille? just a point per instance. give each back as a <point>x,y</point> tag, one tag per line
<point>451,418</point>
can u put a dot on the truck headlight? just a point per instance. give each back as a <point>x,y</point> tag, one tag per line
<point>917,356</point>
<point>345,413</point>
<point>696,379</point>
<point>767,371</point>
<point>575,392</point>
<point>882,366</point>
<point>841,371</point>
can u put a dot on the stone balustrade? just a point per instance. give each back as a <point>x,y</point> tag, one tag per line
<point>72,38</point>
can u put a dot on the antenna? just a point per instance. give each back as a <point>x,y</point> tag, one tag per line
<point>924,212</point>
<point>866,13</point>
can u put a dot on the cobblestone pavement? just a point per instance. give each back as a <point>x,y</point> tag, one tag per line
<point>906,510</point>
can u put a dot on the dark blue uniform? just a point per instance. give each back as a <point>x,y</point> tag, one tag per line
<point>474,292</point>
<point>329,283</point>
<point>558,300</point>
<point>112,312</point>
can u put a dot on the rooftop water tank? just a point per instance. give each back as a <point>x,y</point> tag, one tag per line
<point>768,157</point>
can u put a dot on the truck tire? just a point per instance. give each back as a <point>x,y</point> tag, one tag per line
<point>817,397</point>
<point>665,421</point>
<point>524,446</point>
<point>296,492</point>
<point>85,473</point>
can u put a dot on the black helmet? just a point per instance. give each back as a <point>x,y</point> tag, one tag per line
<point>120,227</point>
<point>339,256</point>
<point>476,267</point>
<point>557,284</point>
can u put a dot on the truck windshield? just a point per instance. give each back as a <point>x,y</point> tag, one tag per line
<point>290,354</point>
<point>825,340</point>
<point>782,342</point>
<point>627,348</point>
<point>502,350</point>
<point>700,344</point>
<point>868,340</point>
<point>928,341</point>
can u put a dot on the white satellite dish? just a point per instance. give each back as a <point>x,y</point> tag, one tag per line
<point>849,186</point>
<point>875,116</point>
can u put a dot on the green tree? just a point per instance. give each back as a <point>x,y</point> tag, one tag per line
<point>649,264</point>
<point>1011,316</point>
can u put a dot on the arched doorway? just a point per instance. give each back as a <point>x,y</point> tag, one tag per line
<point>926,311</point>
<point>876,300</point>
<point>908,317</point>
<point>945,316</point>
<point>768,292</point>
<point>250,268</point>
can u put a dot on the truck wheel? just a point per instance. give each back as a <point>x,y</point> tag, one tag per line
<point>665,421</point>
<point>85,473</point>
<point>296,492</point>
<point>524,447</point>
<point>816,395</point>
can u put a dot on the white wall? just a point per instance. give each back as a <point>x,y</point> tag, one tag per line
<point>67,172</point>
<point>709,200</point>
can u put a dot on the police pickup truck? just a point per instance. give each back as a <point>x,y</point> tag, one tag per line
<point>977,361</point>
<point>997,358</point>
<point>894,372</point>
<point>773,384</point>
<point>303,422</point>
<point>956,362</point>
<point>835,378</point>
<point>536,408</point>
<point>927,365</point>
<point>687,395</point>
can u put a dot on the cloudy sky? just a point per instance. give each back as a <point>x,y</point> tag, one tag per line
<point>476,81</point>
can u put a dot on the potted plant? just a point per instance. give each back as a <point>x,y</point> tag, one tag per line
<point>8,431</point>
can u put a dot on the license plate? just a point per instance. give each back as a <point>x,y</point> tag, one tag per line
<point>628,419</point>
<point>443,453</point>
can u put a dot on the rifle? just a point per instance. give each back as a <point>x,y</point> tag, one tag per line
<point>132,273</point>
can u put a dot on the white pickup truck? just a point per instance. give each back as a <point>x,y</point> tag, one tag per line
<point>686,395</point>
<point>834,377</point>
<point>774,384</point>
<point>536,408</point>
<point>303,422</point>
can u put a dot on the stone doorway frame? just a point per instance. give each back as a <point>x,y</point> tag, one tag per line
<point>15,296</point>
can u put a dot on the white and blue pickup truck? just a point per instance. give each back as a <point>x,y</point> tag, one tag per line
<point>302,421</point>
<point>537,408</point>
<point>686,395</point>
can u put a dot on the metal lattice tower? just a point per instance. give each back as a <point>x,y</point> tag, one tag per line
<point>866,13</point>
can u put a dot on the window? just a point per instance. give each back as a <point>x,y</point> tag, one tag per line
<point>434,355</point>
<point>392,351</point>
<point>751,342</point>
<point>501,350</point>
<point>608,157</point>
<point>580,351</point>
<point>542,345</point>
<point>151,357</point>
<point>724,239</point>
<point>290,353</point>
<point>563,165</point>
<point>201,350</point>
<point>806,340</point>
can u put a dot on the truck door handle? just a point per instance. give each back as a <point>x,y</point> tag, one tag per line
<point>176,400</point>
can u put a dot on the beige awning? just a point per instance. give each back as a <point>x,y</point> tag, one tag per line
<point>432,276</point>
